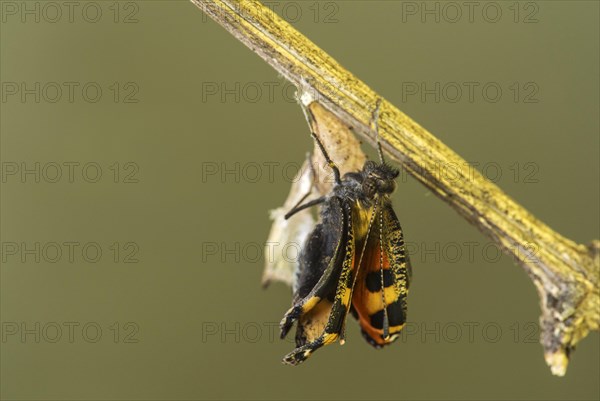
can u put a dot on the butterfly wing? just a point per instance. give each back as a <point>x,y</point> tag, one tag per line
<point>318,265</point>
<point>379,297</point>
<point>322,312</point>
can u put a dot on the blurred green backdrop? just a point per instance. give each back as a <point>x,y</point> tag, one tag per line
<point>142,147</point>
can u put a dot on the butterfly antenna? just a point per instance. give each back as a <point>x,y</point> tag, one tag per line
<point>375,127</point>
<point>386,321</point>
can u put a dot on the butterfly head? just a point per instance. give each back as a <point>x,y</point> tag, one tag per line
<point>378,179</point>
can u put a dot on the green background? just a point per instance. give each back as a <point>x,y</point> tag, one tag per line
<point>169,303</point>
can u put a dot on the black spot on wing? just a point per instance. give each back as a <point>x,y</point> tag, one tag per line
<point>396,312</point>
<point>374,280</point>
<point>377,320</point>
<point>396,315</point>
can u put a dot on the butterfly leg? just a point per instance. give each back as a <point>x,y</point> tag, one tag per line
<point>310,119</point>
<point>296,311</point>
<point>299,207</point>
<point>300,354</point>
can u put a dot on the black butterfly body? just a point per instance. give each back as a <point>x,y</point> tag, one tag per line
<point>353,261</point>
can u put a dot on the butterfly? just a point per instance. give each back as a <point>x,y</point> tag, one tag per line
<point>354,261</point>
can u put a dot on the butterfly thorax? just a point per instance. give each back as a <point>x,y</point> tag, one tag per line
<point>373,182</point>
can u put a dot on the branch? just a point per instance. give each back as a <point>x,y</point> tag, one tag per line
<point>566,274</point>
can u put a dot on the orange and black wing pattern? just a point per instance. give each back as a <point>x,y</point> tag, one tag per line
<point>354,260</point>
<point>381,288</point>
